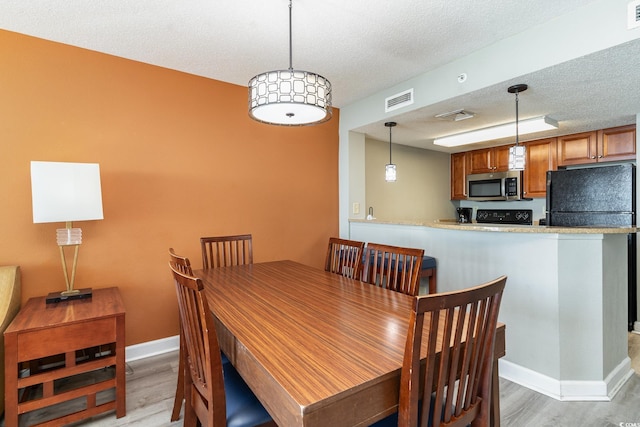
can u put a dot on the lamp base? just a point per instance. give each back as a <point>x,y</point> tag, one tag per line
<point>55,297</point>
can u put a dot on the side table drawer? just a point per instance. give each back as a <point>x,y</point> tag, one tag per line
<point>46,342</point>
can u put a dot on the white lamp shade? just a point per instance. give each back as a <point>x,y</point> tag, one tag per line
<point>63,192</point>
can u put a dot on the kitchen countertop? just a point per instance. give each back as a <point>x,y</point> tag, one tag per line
<point>451,224</point>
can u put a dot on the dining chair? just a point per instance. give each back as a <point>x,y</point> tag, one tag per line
<point>393,267</point>
<point>459,359</point>
<point>215,394</point>
<point>180,263</point>
<point>183,265</point>
<point>223,251</point>
<point>344,257</point>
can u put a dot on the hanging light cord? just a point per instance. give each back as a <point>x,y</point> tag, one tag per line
<point>517,136</point>
<point>290,38</point>
<point>390,162</point>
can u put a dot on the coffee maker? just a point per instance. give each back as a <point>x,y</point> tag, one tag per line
<point>465,215</point>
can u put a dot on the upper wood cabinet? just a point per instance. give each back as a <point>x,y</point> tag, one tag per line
<point>618,143</point>
<point>541,157</point>
<point>459,167</point>
<point>605,145</point>
<point>494,159</point>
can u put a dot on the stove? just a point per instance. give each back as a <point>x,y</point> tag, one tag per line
<point>504,216</point>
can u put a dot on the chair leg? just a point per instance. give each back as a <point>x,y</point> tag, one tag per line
<point>431,275</point>
<point>495,397</point>
<point>177,403</point>
<point>432,282</point>
<point>190,417</point>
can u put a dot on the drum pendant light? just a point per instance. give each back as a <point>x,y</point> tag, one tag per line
<point>290,97</point>
<point>517,152</point>
<point>390,169</point>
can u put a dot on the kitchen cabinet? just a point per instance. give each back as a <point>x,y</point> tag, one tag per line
<point>459,167</point>
<point>540,157</point>
<point>494,159</point>
<point>606,145</point>
<point>618,143</point>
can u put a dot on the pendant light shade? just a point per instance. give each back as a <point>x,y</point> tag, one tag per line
<point>517,152</point>
<point>290,97</point>
<point>390,169</point>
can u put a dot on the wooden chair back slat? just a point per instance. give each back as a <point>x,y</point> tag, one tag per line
<point>180,263</point>
<point>224,251</point>
<point>393,267</point>
<point>344,257</point>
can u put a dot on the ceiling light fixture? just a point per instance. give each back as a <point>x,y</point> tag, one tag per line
<point>506,130</point>
<point>517,152</point>
<point>290,97</point>
<point>390,169</point>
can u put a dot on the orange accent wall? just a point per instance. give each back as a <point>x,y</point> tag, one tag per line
<point>179,159</point>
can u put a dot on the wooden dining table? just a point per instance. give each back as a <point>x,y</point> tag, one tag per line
<point>316,348</point>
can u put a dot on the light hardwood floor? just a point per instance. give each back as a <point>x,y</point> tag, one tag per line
<point>151,386</point>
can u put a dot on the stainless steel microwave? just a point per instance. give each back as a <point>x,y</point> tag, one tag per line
<point>495,186</point>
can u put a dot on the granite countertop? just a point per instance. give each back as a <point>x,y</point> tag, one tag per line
<point>451,224</point>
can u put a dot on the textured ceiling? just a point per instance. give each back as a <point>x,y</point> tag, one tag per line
<point>361,46</point>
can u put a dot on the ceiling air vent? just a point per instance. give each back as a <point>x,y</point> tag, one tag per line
<point>398,100</point>
<point>633,20</point>
<point>456,115</point>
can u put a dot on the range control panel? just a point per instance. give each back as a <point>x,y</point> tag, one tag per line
<point>505,216</point>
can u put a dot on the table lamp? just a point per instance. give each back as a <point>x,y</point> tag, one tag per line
<point>66,192</point>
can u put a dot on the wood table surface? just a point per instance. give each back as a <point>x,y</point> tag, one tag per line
<point>316,348</point>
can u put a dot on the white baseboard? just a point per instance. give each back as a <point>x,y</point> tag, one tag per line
<point>568,390</point>
<point>152,348</point>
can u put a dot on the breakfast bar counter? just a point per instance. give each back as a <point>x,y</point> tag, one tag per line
<point>505,228</point>
<point>565,302</point>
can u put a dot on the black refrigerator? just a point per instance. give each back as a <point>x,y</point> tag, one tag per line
<point>600,197</point>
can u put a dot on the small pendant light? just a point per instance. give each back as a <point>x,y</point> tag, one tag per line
<point>517,152</point>
<point>390,169</point>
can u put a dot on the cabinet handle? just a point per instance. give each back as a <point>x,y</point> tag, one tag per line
<point>593,157</point>
<point>600,157</point>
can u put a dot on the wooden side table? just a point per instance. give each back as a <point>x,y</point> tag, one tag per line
<point>64,330</point>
